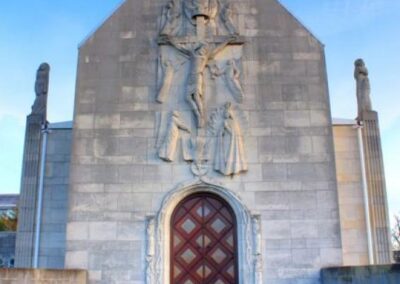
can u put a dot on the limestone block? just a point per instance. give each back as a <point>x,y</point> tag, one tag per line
<point>262,119</point>
<point>277,257</point>
<point>303,200</point>
<point>84,121</point>
<point>77,231</point>
<point>137,119</point>
<point>131,231</point>
<point>107,121</point>
<point>307,258</point>
<point>276,229</point>
<point>274,172</point>
<point>77,259</point>
<point>319,118</point>
<point>134,202</point>
<point>101,231</point>
<point>304,229</point>
<point>272,200</point>
<point>297,118</point>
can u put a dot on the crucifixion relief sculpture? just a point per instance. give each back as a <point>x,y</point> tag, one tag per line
<point>199,55</point>
<point>188,38</point>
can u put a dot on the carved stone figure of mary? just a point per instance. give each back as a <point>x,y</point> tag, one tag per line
<point>229,153</point>
<point>168,147</point>
<point>41,89</point>
<point>363,88</point>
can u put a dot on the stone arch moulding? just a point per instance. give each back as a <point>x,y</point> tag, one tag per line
<point>158,234</point>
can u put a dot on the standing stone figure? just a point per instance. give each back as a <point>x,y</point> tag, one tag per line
<point>232,77</point>
<point>199,56</point>
<point>171,18</point>
<point>229,155</point>
<point>169,69</point>
<point>363,88</point>
<point>41,89</point>
<point>226,17</point>
<point>169,145</point>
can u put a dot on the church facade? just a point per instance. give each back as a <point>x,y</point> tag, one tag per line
<point>202,150</point>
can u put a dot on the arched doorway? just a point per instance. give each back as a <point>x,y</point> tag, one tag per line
<point>203,241</point>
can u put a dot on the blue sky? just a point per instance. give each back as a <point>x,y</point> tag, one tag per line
<point>48,30</point>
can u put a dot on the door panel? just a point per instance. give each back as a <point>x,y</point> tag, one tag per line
<point>203,241</point>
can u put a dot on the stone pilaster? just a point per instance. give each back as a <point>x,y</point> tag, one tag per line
<point>27,201</point>
<point>376,188</point>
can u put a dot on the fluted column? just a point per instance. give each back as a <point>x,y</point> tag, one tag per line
<point>378,206</point>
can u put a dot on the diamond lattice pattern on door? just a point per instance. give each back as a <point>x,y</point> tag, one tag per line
<point>203,242</point>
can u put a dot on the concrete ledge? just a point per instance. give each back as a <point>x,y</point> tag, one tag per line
<point>39,276</point>
<point>373,274</point>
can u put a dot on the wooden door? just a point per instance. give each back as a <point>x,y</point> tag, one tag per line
<point>203,241</point>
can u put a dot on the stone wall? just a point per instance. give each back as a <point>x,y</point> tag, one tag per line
<point>117,180</point>
<point>351,197</point>
<point>36,276</point>
<point>362,274</point>
<point>7,249</point>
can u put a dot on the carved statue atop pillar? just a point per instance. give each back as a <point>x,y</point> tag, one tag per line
<point>41,89</point>
<point>363,89</point>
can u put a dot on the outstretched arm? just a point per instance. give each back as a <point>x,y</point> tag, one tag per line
<point>178,46</point>
<point>221,47</point>
<point>182,126</point>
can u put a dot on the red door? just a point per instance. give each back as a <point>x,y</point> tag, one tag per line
<point>203,241</point>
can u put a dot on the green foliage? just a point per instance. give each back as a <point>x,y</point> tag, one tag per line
<point>9,220</point>
<point>396,233</point>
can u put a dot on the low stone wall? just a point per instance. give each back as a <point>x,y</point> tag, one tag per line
<point>7,249</point>
<point>396,256</point>
<point>41,276</point>
<point>373,274</point>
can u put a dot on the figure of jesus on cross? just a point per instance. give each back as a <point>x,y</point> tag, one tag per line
<point>199,55</point>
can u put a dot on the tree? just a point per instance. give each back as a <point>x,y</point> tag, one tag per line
<point>396,233</point>
<point>9,220</point>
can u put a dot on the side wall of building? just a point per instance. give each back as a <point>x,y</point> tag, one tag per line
<point>351,197</point>
<point>55,199</point>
